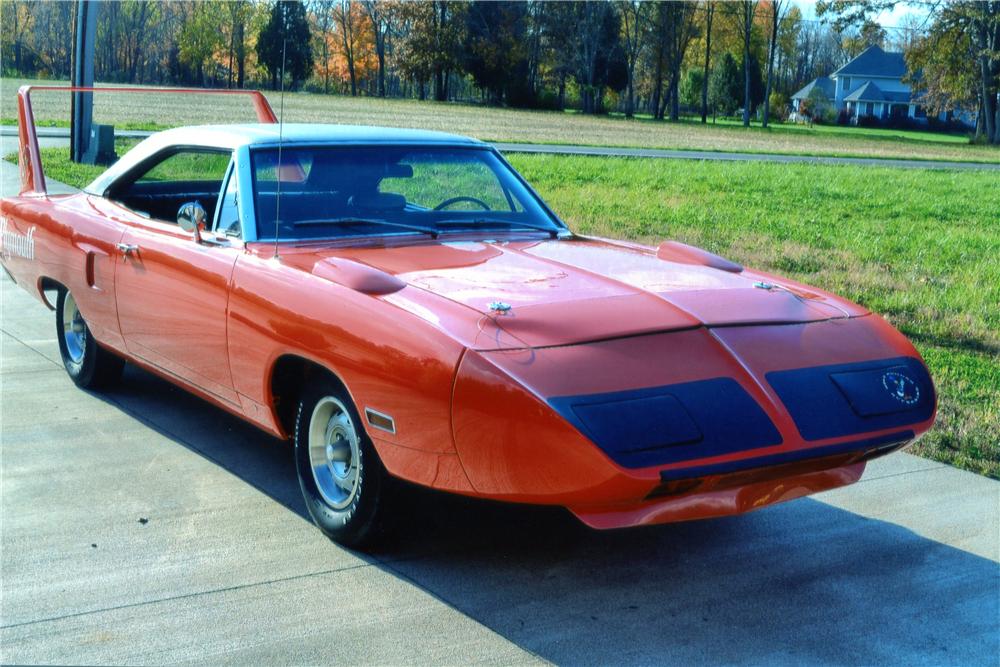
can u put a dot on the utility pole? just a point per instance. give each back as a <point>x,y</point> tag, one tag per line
<point>82,105</point>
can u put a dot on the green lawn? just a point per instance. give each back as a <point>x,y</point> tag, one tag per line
<point>833,130</point>
<point>158,110</point>
<point>920,247</point>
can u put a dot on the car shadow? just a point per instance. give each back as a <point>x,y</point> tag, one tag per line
<point>803,582</point>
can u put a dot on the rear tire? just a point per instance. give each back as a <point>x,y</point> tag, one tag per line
<point>88,364</point>
<point>343,481</point>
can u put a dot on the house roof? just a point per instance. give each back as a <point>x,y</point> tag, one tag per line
<point>823,83</point>
<point>869,92</point>
<point>873,61</point>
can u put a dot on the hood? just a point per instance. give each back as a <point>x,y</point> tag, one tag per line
<point>560,292</point>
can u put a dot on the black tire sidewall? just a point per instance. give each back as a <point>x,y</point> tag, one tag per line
<point>83,373</point>
<point>357,524</point>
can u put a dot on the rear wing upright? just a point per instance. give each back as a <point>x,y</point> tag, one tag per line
<point>29,160</point>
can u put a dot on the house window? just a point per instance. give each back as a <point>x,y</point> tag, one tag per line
<point>920,112</point>
<point>868,108</point>
<point>847,83</point>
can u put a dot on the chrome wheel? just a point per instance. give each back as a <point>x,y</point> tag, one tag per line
<point>334,453</point>
<point>74,330</point>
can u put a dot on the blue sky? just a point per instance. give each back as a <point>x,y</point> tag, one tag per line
<point>886,19</point>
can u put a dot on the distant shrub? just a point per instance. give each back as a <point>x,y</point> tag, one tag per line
<point>779,106</point>
<point>818,107</point>
<point>867,120</point>
<point>691,85</point>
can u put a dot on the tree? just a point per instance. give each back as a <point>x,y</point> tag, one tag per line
<point>598,58</point>
<point>383,15</point>
<point>324,39</point>
<point>692,86</point>
<point>869,34</point>
<point>495,47</point>
<point>432,47</point>
<point>959,61</point>
<point>681,32</point>
<point>789,33</point>
<point>17,25</point>
<point>347,16</point>
<point>747,9</point>
<point>673,26</point>
<point>286,32</point>
<point>200,37</point>
<point>557,23</point>
<point>635,16</point>
<point>776,8</point>
<point>709,14</point>
<point>240,13</point>
<point>725,87</point>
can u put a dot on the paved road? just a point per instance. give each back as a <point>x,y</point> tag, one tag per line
<point>744,157</point>
<point>558,149</point>
<point>143,526</point>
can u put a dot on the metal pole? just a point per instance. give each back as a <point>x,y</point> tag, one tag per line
<point>82,105</point>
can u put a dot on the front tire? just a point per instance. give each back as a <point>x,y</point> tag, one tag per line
<point>343,482</point>
<point>88,364</point>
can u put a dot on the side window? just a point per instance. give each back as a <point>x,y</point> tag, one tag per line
<point>176,178</point>
<point>190,165</point>
<point>228,222</point>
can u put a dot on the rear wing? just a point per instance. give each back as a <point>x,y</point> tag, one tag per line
<point>29,160</point>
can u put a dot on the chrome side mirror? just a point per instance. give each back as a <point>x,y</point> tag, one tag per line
<point>191,218</point>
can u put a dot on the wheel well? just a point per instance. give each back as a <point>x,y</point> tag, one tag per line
<point>48,285</point>
<point>290,375</point>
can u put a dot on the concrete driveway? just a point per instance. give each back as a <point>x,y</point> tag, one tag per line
<point>142,525</point>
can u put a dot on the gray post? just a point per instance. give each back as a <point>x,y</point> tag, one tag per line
<point>82,105</point>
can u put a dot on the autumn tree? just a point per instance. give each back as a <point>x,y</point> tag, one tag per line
<point>17,23</point>
<point>324,46</point>
<point>239,15</point>
<point>432,48</point>
<point>383,16</point>
<point>200,37</point>
<point>347,14</point>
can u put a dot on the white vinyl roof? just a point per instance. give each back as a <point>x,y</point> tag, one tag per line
<point>232,137</point>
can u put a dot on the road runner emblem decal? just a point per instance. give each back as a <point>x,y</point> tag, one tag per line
<point>13,243</point>
<point>901,387</point>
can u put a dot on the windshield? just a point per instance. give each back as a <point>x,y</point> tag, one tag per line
<point>332,191</point>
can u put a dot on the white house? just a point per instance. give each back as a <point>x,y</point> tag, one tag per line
<point>870,85</point>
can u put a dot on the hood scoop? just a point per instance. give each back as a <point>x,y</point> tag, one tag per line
<point>682,253</point>
<point>358,277</point>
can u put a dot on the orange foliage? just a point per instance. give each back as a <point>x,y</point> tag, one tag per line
<point>329,34</point>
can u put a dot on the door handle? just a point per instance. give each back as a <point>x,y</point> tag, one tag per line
<point>127,248</point>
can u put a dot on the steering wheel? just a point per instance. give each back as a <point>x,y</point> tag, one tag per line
<point>454,200</point>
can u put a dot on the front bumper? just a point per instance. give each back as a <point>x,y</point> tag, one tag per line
<point>573,425</point>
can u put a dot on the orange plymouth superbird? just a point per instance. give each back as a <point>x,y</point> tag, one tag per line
<point>402,305</point>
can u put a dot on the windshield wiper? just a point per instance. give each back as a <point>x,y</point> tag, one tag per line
<point>513,226</point>
<point>351,222</point>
